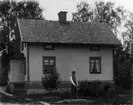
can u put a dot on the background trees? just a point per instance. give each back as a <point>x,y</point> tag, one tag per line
<point>101,12</point>
<point>115,18</point>
<point>9,11</point>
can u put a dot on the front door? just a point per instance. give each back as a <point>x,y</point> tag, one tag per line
<point>48,64</point>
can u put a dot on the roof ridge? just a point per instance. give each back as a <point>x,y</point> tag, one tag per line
<point>58,21</point>
<point>29,19</point>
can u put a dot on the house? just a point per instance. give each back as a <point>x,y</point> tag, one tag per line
<point>43,46</point>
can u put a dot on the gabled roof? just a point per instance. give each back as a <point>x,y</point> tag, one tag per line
<point>32,30</point>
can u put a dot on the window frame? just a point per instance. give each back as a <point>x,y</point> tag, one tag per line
<point>49,58</point>
<point>100,66</point>
<point>48,48</point>
<point>93,49</point>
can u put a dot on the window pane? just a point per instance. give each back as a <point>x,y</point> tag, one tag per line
<point>48,46</point>
<point>95,48</point>
<point>46,62</point>
<point>95,65</point>
<point>97,61</point>
<point>92,60</point>
<point>98,67</point>
<point>51,62</point>
<point>92,64</point>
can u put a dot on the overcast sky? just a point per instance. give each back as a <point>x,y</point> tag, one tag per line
<point>52,7</point>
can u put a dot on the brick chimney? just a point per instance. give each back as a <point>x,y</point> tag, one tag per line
<point>62,16</point>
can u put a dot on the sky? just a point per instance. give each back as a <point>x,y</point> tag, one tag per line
<point>53,7</point>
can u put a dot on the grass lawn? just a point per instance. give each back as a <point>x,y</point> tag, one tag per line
<point>65,97</point>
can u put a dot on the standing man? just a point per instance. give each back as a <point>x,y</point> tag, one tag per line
<point>74,84</point>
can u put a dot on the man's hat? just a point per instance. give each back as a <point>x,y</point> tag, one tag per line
<point>73,72</point>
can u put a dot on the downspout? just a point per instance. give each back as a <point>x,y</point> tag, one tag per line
<point>113,63</point>
<point>27,69</point>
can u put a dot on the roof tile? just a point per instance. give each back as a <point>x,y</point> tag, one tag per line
<point>71,32</point>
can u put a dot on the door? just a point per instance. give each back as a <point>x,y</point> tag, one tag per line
<point>49,64</point>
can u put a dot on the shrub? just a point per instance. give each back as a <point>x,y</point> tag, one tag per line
<point>122,69</point>
<point>109,89</point>
<point>84,88</point>
<point>123,78</point>
<point>95,88</point>
<point>3,77</point>
<point>51,81</point>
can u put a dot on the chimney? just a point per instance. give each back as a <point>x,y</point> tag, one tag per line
<point>62,16</point>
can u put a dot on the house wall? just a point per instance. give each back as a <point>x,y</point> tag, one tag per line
<point>70,58</point>
<point>17,71</point>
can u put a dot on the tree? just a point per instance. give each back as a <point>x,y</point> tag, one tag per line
<point>128,34</point>
<point>122,68</point>
<point>113,17</point>
<point>102,12</point>
<point>84,13</point>
<point>9,11</point>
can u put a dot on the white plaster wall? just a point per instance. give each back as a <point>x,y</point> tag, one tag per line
<point>16,72</point>
<point>71,58</point>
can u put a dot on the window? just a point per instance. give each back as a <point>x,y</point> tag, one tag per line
<point>95,48</point>
<point>48,47</point>
<point>95,65</point>
<point>48,64</point>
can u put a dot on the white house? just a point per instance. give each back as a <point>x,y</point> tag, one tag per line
<point>44,45</point>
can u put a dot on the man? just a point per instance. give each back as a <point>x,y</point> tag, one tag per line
<point>74,84</point>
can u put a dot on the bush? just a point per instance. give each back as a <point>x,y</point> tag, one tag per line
<point>123,78</point>
<point>95,88</point>
<point>51,81</point>
<point>84,88</point>
<point>3,77</point>
<point>122,69</point>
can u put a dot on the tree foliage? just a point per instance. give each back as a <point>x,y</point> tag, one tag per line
<point>84,13</point>
<point>102,12</point>
<point>113,16</point>
<point>9,11</point>
<point>122,68</point>
<point>128,34</point>
<point>51,81</point>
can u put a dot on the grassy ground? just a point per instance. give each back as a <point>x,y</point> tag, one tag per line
<point>55,97</point>
<point>65,97</point>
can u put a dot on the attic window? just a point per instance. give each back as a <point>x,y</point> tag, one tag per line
<point>95,48</point>
<point>48,47</point>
